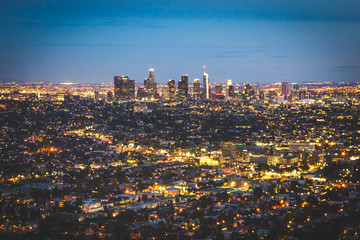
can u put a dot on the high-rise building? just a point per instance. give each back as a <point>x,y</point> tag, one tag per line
<point>206,85</point>
<point>228,84</point>
<point>180,89</point>
<point>295,91</point>
<point>196,89</point>
<point>247,89</point>
<point>185,80</point>
<point>171,85</point>
<point>231,91</point>
<point>249,92</point>
<point>141,93</point>
<point>163,91</point>
<point>151,74</point>
<point>132,89</point>
<point>218,92</point>
<point>218,89</point>
<point>123,88</point>
<point>285,90</point>
<point>150,83</point>
<point>183,85</point>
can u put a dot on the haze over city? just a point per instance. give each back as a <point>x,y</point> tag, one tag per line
<point>246,41</point>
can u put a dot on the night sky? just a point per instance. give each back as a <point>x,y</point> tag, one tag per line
<point>246,41</point>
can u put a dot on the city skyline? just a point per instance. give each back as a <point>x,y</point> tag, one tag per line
<point>257,161</point>
<point>179,119</point>
<point>79,41</point>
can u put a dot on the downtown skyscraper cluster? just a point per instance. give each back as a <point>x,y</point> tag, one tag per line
<point>124,88</point>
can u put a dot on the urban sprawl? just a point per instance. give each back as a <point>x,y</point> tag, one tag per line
<point>192,161</point>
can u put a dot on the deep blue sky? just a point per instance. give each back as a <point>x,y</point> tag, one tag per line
<point>242,40</point>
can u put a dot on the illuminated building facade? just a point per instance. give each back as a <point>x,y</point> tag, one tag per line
<point>183,86</point>
<point>150,84</point>
<point>171,85</point>
<point>286,90</point>
<point>124,88</point>
<point>206,85</point>
<point>228,86</point>
<point>196,89</point>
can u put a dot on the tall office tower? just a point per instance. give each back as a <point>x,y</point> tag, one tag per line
<point>228,84</point>
<point>171,85</point>
<point>183,86</point>
<point>295,91</point>
<point>163,92</point>
<point>132,89</point>
<point>180,88</point>
<point>185,80</point>
<point>218,89</point>
<point>196,89</point>
<point>285,90</point>
<point>151,74</point>
<point>122,87</point>
<point>141,93</point>
<point>231,91</point>
<point>249,91</point>
<point>150,83</point>
<point>206,85</point>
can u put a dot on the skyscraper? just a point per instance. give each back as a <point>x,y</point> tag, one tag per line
<point>171,85</point>
<point>249,91</point>
<point>285,90</point>
<point>218,92</point>
<point>206,85</point>
<point>132,89</point>
<point>185,79</point>
<point>121,87</point>
<point>218,89</point>
<point>231,91</point>
<point>228,84</point>
<point>141,93</point>
<point>163,92</point>
<point>151,74</point>
<point>183,86</point>
<point>124,88</point>
<point>150,83</point>
<point>295,91</point>
<point>180,89</point>
<point>196,89</point>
